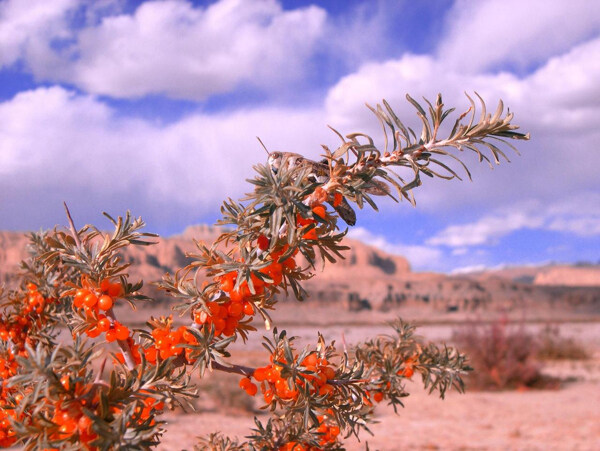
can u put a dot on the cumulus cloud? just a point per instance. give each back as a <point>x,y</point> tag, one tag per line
<point>486,230</point>
<point>28,28</point>
<point>484,34</point>
<point>579,216</point>
<point>58,145</point>
<point>190,52</point>
<point>169,47</point>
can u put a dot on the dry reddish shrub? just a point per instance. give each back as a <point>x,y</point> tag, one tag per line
<point>503,356</point>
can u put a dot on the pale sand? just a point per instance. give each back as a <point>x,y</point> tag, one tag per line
<point>565,419</point>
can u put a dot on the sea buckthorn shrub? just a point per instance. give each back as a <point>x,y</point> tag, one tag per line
<point>102,385</point>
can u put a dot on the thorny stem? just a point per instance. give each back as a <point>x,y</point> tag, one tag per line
<point>342,382</point>
<point>235,369</point>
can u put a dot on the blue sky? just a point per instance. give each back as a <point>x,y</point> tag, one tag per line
<point>154,106</point>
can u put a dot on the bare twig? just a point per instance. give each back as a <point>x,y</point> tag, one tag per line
<point>235,369</point>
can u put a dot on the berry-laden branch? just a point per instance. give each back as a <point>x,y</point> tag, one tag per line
<point>54,396</point>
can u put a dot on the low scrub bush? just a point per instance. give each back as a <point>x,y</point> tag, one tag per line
<point>503,356</point>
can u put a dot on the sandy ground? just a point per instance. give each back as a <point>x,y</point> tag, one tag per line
<point>563,419</point>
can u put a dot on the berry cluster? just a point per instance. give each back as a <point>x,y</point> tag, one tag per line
<point>92,299</point>
<point>15,327</point>
<point>249,387</point>
<point>28,312</point>
<point>304,223</point>
<point>225,316</point>
<point>149,407</point>
<point>317,373</point>
<point>167,342</point>
<point>407,371</point>
<point>73,424</point>
<point>7,433</point>
<point>328,431</point>
<point>72,421</point>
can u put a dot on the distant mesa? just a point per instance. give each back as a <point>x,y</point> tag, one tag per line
<point>371,279</point>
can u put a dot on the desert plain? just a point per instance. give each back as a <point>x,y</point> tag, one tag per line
<point>352,301</point>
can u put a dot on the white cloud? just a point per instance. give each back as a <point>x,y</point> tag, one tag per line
<point>181,50</point>
<point>57,145</point>
<point>486,230</point>
<point>419,256</point>
<point>174,48</point>
<point>27,28</point>
<point>484,34</point>
<point>580,217</point>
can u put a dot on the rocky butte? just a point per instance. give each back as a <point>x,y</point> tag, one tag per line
<point>371,279</point>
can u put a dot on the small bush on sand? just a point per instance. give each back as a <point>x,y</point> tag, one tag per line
<point>503,356</point>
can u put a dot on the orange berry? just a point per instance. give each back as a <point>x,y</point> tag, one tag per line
<point>105,302</point>
<point>329,373</point>
<point>245,382</point>
<point>251,389</point>
<point>104,285</point>
<point>289,263</point>
<point>90,300</point>
<point>310,235</point>
<point>248,308</point>
<point>236,296</point>
<point>310,360</point>
<point>228,281</point>
<point>111,335</point>
<point>93,332</point>
<point>231,322</point>
<point>104,324</point>
<point>268,395</point>
<point>219,325</point>
<point>260,374</point>
<point>64,381</point>
<point>79,297</point>
<point>214,308</point>
<point>337,199</point>
<point>378,396</point>
<point>235,310</point>
<point>84,424</point>
<point>263,243</point>
<point>319,210</point>
<point>408,372</point>
<point>150,354</point>
<point>326,390</point>
<point>301,221</point>
<point>115,290</point>
<point>121,332</point>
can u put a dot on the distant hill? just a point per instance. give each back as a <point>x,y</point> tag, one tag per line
<point>550,274</point>
<point>369,278</point>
